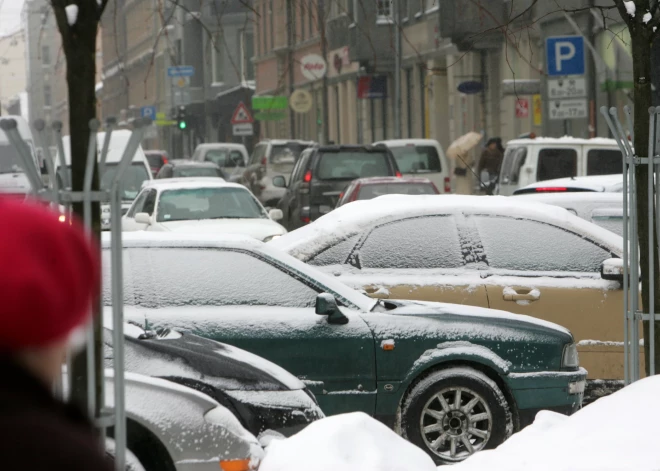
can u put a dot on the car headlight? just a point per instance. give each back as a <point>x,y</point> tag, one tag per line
<point>570,358</point>
<point>269,238</point>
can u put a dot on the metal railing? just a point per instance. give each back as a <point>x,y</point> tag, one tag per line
<point>632,312</point>
<point>59,192</point>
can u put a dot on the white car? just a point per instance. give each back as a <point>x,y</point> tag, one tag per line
<point>599,183</point>
<point>201,206</point>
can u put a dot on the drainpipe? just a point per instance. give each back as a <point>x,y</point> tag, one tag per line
<point>324,54</point>
<point>291,31</point>
<point>396,4</point>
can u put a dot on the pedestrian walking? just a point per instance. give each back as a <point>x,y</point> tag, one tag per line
<point>491,158</point>
<point>49,275</point>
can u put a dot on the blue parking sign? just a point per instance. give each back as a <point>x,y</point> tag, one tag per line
<point>564,55</point>
<point>148,112</point>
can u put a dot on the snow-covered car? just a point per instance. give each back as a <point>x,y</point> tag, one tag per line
<point>174,428</point>
<point>598,183</point>
<point>497,252</point>
<point>459,378</point>
<point>208,205</point>
<point>263,397</point>
<point>603,209</point>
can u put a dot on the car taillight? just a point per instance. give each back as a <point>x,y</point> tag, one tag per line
<point>305,219</point>
<point>397,174</point>
<point>447,185</point>
<point>545,189</point>
<point>308,176</point>
<point>263,162</point>
<point>356,192</point>
<point>165,161</point>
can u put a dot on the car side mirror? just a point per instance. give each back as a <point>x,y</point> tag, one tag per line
<point>276,214</point>
<point>143,218</point>
<point>612,270</point>
<point>279,181</point>
<point>326,305</point>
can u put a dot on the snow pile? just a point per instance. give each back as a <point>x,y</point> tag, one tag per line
<point>71,14</point>
<point>630,8</point>
<point>618,432</point>
<point>647,17</point>
<point>347,442</point>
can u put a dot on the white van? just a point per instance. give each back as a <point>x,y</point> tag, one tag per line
<point>137,173</point>
<point>527,161</point>
<point>12,176</point>
<point>421,157</point>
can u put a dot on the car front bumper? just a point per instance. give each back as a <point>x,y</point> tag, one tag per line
<point>558,391</point>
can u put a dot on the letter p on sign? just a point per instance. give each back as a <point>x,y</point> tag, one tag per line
<point>565,55</point>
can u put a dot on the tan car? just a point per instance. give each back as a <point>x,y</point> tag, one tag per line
<point>521,257</point>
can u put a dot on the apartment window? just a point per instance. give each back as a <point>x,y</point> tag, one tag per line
<point>383,10</point>
<point>218,55</point>
<point>48,99</point>
<point>45,55</point>
<point>247,51</point>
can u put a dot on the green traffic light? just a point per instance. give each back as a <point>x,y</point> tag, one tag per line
<point>182,125</point>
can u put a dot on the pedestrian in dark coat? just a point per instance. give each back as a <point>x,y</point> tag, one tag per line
<point>49,275</point>
<point>491,157</point>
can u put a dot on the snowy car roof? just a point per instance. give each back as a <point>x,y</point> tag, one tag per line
<point>220,145</point>
<point>190,183</point>
<point>405,142</point>
<point>357,216</point>
<point>610,183</point>
<point>395,180</point>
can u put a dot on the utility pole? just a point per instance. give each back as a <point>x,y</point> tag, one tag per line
<point>396,4</point>
<point>324,52</point>
<point>291,27</point>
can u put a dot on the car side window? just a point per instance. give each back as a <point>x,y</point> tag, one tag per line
<point>556,163</point>
<point>421,242</point>
<point>532,246</point>
<point>335,254</point>
<point>138,204</point>
<point>150,272</point>
<point>150,203</point>
<point>258,154</point>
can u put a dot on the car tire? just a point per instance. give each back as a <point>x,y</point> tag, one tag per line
<point>451,432</point>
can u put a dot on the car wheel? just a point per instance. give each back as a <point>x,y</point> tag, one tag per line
<point>454,413</point>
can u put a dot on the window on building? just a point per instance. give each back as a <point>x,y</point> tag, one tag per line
<point>48,98</point>
<point>45,55</point>
<point>247,52</point>
<point>218,55</point>
<point>383,10</point>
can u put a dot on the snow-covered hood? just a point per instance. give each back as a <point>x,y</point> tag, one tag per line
<point>14,183</point>
<point>257,228</point>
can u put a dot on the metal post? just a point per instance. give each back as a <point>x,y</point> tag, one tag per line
<point>40,125</point>
<point>29,167</point>
<point>650,225</point>
<point>118,294</point>
<point>110,124</point>
<point>66,174</point>
<point>396,5</point>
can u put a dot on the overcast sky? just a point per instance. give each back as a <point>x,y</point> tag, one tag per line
<point>10,15</point>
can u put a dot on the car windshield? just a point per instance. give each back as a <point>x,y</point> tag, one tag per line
<point>10,161</point>
<point>368,192</point>
<point>155,160</point>
<point>351,165</point>
<point>131,183</point>
<point>286,153</point>
<point>184,172</point>
<point>225,157</point>
<point>193,204</point>
<point>417,159</point>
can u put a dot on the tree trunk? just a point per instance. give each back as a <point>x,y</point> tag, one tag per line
<point>641,50</point>
<point>79,44</point>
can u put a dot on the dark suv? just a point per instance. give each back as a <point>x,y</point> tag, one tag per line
<point>323,172</point>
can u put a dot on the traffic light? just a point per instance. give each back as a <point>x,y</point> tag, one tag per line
<point>182,118</point>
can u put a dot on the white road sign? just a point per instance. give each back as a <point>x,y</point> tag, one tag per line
<point>568,109</point>
<point>244,129</point>
<point>569,87</point>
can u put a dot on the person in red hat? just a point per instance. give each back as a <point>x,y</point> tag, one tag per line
<point>49,276</point>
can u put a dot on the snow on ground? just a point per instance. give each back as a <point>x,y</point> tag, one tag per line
<point>347,442</point>
<point>618,432</point>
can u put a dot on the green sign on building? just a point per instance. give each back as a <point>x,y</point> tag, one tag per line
<point>270,103</point>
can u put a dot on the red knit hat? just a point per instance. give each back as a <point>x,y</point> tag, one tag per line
<point>49,274</point>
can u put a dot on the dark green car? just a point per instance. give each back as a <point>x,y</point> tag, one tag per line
<point>450,378</point>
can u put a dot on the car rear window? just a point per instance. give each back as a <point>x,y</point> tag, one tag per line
<point>604,162</point>
<point>368,192</point>
<point>286,153</point>
<point>351,165</point>
<point>155,160</point>
<point>417,159</point>
<point>556,163</point>
<point>186,172</point>
<point>225,158</point>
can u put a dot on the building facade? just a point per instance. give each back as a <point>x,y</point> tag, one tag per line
<point>12,66</point>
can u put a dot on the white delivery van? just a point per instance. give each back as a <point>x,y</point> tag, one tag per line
<point>12,177</point>
<point>421,157</point>
<point>528,161</point>
<point>135,174</point>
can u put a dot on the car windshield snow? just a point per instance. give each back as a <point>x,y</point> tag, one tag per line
<point>208,203</point>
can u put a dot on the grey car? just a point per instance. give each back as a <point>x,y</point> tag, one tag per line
<point>231,158</point>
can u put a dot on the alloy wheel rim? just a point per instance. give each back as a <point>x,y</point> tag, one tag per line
<point>455,423</point>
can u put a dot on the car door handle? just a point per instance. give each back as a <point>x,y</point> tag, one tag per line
<point>511,294</point>
<point>377,292</point>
